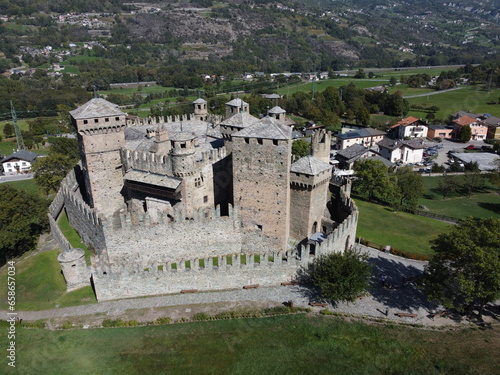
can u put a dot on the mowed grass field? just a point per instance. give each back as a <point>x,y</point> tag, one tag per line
<point>468,99</point>
<point>400,230</point>
<point>294,344</point>
<point>485,203</point>
<point>40,285</point>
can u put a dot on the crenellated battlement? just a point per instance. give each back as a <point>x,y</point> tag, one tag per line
<point>159,120</point>
<point>162,164</point>
<point>178,215</point>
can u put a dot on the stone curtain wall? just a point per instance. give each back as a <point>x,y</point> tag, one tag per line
<point>271,269</point>
<point>81,217</point>
<point>136,275</point>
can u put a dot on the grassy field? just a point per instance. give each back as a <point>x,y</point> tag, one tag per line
<point>467,99</point>
<point>322,85</point>
<point>144,90</point>
<point>297,344</point>
<point>40,285</point>
<point>398,229</point>
<point>27,185</point>
<point>483,204</point>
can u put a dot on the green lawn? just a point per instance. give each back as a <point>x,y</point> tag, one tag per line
<point>40,285</point>
<point>400,230</point>
<point>483,204</point>
<point>322,85</point>
<point>143,90</point>
<point>27,185</point>
<point>467,99</point>
<point>292,345</point>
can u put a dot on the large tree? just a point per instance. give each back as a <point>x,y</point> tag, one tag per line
<point>373,179</point>
<point>465,134</point>
<point>465,272</point>
<point>341,276</point>
<point>411,186</point>
<point>300,148</point>
<point>50,170</point>
<point>23,217</point>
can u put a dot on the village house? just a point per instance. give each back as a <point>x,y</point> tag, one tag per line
<point>410,127</point>
<point>19,162</point>
<point>368,137</point>
<point>493,124</point>
<point>478,128</point>
<point>441,131</point>
<point>405,151</point>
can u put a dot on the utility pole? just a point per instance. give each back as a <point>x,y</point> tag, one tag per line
<point>19,136</point>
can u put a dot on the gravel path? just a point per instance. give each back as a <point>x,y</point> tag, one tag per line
<point>378,303</point>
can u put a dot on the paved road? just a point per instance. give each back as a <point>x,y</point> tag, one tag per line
<point>18,177</point>
<point>433,93</point>
<point>401,298</point>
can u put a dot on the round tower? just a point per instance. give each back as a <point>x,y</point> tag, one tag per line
<point>183,148</point>
<point>74,268</point>
<point>200,109</point>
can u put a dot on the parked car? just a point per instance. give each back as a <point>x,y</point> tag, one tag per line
<point>470,147</point>
<point>425,170</point>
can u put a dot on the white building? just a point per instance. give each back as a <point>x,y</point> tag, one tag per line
<point>19,162</point>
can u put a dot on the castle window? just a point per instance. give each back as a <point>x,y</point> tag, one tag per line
<point>73,265</point>
<point>106,119</point>
<point>197,182</point>
<point>259,141</point>
<point>117,118</point>
<point>275,142</point>
<point>183,145</point>
<point>247,140</point>
<point>205,199</point>
<point>85,121</point>
<point>96,120</point>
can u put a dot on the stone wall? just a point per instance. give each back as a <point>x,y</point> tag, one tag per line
<point>136,238</point>
<point>267,269</point>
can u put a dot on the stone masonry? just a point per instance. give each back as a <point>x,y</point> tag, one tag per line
<point>196,202</point>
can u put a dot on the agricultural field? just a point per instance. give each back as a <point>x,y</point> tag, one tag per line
<point>468,99</point>
<point>293,344</point>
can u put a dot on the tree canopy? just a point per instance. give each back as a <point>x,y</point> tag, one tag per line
<point>465,134</point>
<point>411,186</point>
<point>465,271</point>
<point>373,180</point>
<point>341,276</point>
<point>50,170</point>
<point>23,217</point>
<point>300,148</point>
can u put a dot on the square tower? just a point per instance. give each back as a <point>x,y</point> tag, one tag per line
<point>261,177</point>
<point>100,130</point>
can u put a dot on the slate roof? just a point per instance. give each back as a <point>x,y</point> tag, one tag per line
<point>309,165</point>
<point>492,121</point>
<point>277,110</point>
<point>240,120</point>
<point>96,107</point>
<point>200,101</point>
<point>21,155</point>
<point>267,128</point>
<point>352,151</point>
<point>361,133</point>
<point>153,179</point>
<point>236,102</point>
<point>392,144</point>
<point>463,113</point>
<point>182,136</point>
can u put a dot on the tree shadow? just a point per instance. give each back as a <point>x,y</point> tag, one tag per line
<point>493,207</point>
<point>397,294</point>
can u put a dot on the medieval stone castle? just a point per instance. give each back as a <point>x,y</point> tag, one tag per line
<point>196,202</point>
